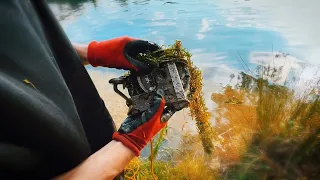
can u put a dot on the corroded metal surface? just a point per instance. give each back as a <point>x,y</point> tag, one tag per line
<point>171,76</point>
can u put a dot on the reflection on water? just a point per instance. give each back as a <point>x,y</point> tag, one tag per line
<point>73,3</point>
<point>66,8</point>
<point>122,2</point>
<point>224,36</point>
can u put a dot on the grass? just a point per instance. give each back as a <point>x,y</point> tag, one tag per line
<point>275,131</point>
<point>189,168</point>
<point>263,130</point>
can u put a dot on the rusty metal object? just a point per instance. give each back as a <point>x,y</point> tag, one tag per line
<point>172,76</point>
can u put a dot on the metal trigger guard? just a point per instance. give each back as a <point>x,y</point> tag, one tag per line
<point>115,82</point>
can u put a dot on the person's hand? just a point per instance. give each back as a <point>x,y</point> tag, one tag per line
<point>119,53</point>
<point>137,130</point>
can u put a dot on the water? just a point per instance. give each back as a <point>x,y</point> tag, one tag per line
<point>224,36</point>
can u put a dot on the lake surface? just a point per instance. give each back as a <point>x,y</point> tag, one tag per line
<point>224,36</point>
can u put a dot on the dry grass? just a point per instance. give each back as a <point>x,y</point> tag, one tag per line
<point>263,131</point>
<point>273,133</point>
<point>189,168</point>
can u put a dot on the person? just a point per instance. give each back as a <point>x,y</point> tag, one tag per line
<point>54,125</point>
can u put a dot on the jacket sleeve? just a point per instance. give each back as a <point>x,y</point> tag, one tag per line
<point>52,116</point>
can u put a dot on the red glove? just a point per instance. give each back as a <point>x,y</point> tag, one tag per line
<point>119,53</point>
<point>137,130</point>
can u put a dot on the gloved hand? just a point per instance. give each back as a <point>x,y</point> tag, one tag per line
<point>137,130</point>
<point>119,53</point>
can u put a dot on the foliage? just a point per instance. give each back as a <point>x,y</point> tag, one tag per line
<point>274,132</point>
<point>264,130</point>
<point>189,168</point>
<point>154,149</point>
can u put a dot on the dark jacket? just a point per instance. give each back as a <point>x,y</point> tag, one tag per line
<point>52,117</point>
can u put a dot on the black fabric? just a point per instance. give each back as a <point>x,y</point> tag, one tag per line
<point>52,116</point>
